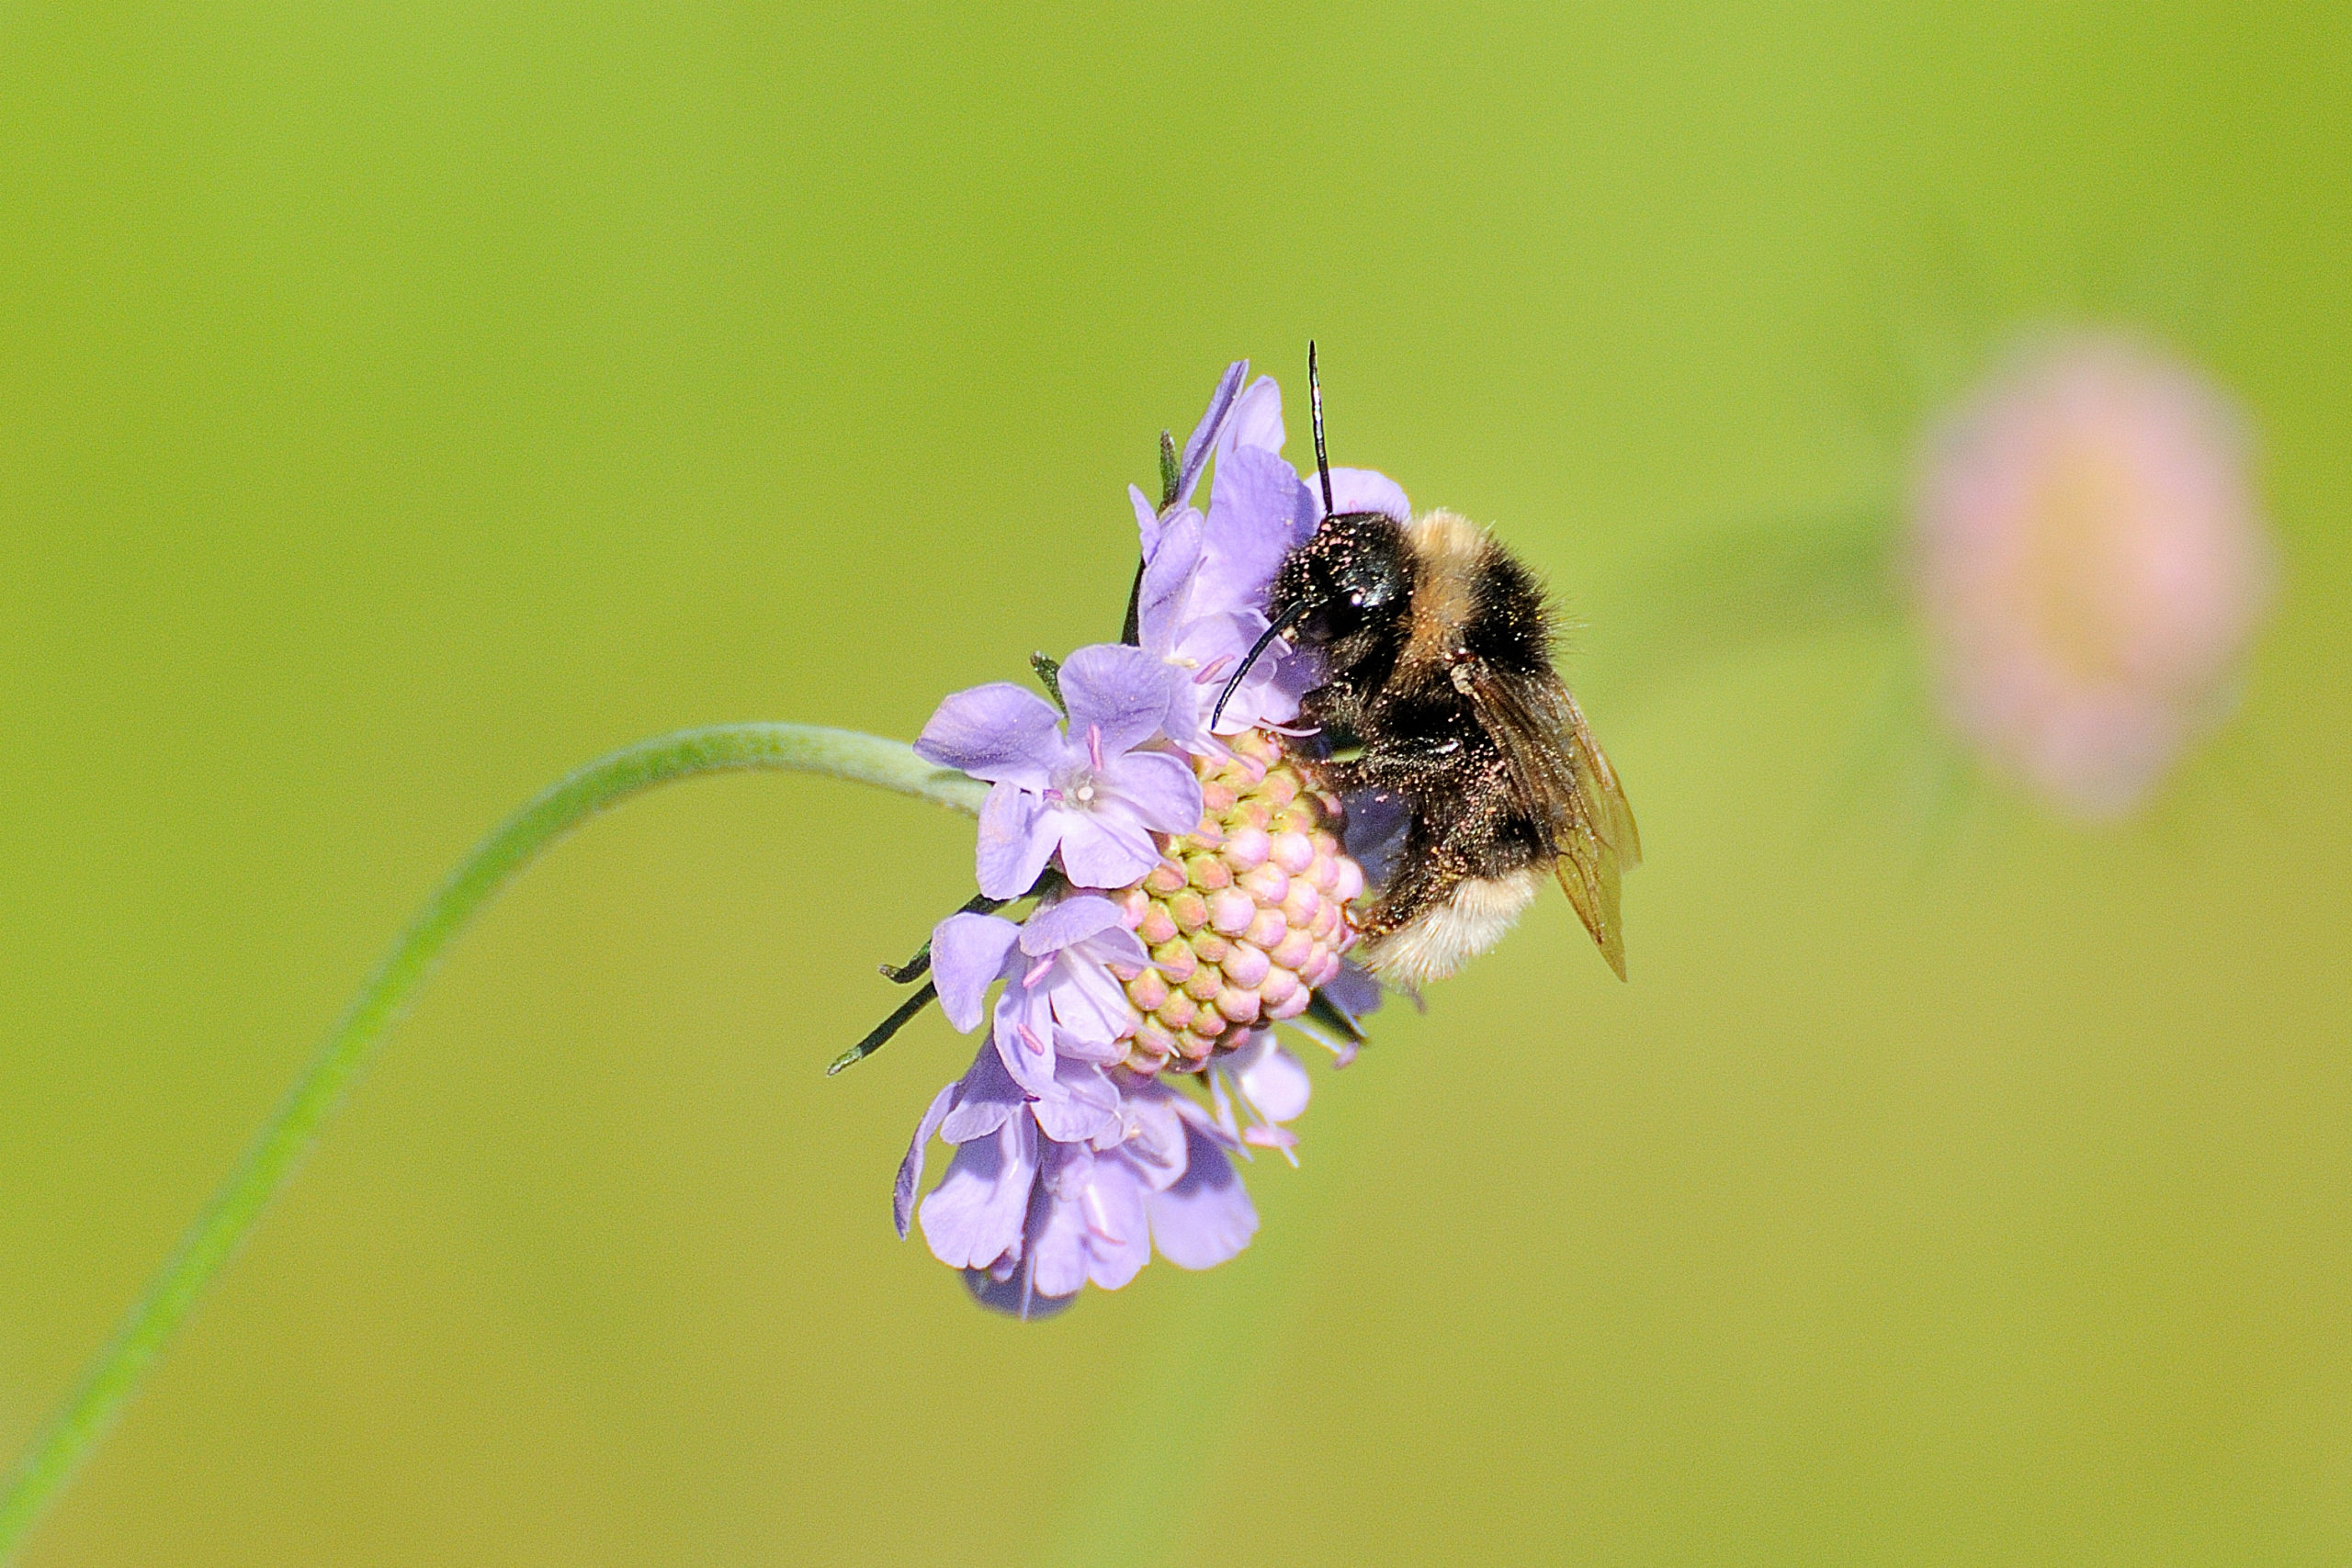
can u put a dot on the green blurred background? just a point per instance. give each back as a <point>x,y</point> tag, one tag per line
<point>400,404</point>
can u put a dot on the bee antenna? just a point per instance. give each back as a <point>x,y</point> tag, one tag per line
<point>1315,405</point>
<point>1290,618</point>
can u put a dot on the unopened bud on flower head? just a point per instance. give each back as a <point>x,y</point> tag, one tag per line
<point>1245,916</point>
<point>2088,562</point>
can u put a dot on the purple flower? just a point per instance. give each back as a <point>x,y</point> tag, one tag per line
<point>1060,998</point>
<point>1086,793</point>
<point>1001,1132</point>
<point>1204,645</point>
<point>1205,1216</point>
<point>1032,1219</point>
<point>978,1213</point>
<point>1203,600</point>
<point>1098,1215</point>
<point>1206,578</point>
<point>1258,510</point>
<point>1067,1167</point>
<point>1197,451</point>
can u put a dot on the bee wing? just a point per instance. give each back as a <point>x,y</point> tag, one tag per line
<point>1565,781</point>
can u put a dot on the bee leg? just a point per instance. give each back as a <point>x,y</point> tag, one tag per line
<point>1415,884</point>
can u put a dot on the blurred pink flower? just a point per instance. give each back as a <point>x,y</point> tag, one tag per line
<point>2088,561</point>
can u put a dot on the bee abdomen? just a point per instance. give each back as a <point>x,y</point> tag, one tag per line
<point>1471,918</point>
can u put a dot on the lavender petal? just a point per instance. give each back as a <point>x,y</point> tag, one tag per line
<point>1024,1035</point>
<point>1205,434</point>
<point>1261,511</point>
<point>903,1193</point>
<point>1057,1247</point>
<point>987,1098</point>
<point>975,1216</point>
<point>1118,1228</point>
<point>1113,944</point>
<point>1159,789</point>
<point>1017,837</point>
<point>1069,921</point>
<point>1095,1045</point>
<point>1274,1082</point>
<point>1168,583</point>
<point>968,953</point>
<point>1099,852</point>
<point>1255,423</point>
<point>1363,489</point>
<point>1152,1133</point>
<point>1117,695</point>
<point>1147,524</point>
<point>1087,1106</point>
<point>1205,1216</point>
<point>999,732</point>
<point>1088,1003</point>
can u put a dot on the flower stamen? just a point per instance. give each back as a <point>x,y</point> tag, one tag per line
<point>1098,1221</point>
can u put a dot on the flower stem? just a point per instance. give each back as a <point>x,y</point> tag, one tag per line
<point>60,1447</point>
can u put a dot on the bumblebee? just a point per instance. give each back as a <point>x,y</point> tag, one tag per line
<point>1445,724</point>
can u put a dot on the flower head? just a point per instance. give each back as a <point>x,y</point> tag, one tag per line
<point>2088,561</point>
<point>1224,904</point>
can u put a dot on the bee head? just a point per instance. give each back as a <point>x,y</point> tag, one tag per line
<point>1354,572</point>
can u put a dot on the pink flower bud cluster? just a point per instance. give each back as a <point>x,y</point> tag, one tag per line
<point>1245,916</point>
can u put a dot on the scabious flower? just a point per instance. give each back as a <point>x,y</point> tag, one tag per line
<point>1192,892</point>
<point>2089,563</point>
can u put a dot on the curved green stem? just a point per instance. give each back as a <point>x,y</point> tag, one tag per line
<point>60,1446</point>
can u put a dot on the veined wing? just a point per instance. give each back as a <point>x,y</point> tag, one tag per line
<point>1565,783</point>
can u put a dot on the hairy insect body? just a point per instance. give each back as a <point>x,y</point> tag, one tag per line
<point>1439,716</point>
<point>1437,648</point>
